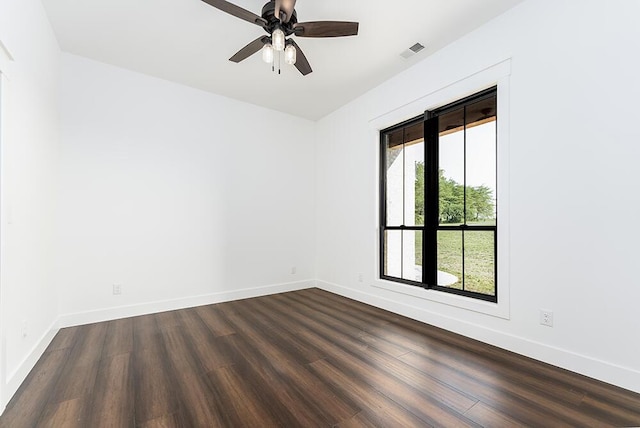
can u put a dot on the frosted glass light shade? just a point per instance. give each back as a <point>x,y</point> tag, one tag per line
<point>290,55</point>
<point>278,40</point>
<point>267,53</point>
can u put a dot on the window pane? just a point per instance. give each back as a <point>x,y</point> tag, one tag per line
<point>395,177</point>
<point>403,254</point>
<point>412,255</point>
<point>450,259</point>
<point>404,150</point>
<point>479,262</point>
<point>393,253</point>
<point>414,184</point>
<point>481,162</point>
<point>451,164</point>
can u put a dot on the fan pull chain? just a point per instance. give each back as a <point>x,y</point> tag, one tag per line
<point>279,61</point>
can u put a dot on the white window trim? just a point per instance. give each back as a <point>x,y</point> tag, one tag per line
<point>496,75</point>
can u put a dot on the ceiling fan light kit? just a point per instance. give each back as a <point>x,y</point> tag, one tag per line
<point>278,39</point>
<point>290,54</point>
<point>279,19</point>
<point>267,53</point>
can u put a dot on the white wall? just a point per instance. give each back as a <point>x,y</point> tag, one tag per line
<point>180,196</point>
<point>572,174</point>
<point>29,138</point>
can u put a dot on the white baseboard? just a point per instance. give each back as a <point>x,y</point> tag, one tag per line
<point>108,314</point>
<point>623,377</point>
<point>15,378</point>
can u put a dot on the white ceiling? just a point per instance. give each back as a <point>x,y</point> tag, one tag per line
<point>189,42</point>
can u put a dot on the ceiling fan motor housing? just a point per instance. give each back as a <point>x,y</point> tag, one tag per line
<point>273,22</point>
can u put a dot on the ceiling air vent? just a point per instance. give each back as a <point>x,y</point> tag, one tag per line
<point>412,51</point>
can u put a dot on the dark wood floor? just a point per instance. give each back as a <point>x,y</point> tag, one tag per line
<point>300,359</point>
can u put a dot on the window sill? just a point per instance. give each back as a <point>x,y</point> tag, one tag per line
<point>499,310</point>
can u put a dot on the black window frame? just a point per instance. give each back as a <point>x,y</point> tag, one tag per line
<point>432,224</point>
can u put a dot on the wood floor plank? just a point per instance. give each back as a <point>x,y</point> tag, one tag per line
<point>349,319</point>
<point>68,414</point>
<point>29,402</point>
<point>172,420</point>
<point>489,417</point>
<point>291,410</point>
<point>446,357</point>
<point>299,359</point>
<point>356,362</point>
<point>154,397</point>
<point>146,333</point>
<point>215,321</point>
<point>90,344</point>
<point>154,389</point>
<point>430,337</point>
<point>440,403</point>
<point>361,420</point>
<point>197,402</point>
<point>119,337</point>
<point>64,339</point>
<point>378,409</point>
<point>81,367</point>
<point>294,378</point>
<point>277,328</point>
<point>170,320</point>
<point>609,411</point>
<point>210,352</point>
<point>241,399</point>
<point>396,370</point>
<point>112,404</point>
<point>273,327</point>
<point>504,392</point>
<point>423,396</point>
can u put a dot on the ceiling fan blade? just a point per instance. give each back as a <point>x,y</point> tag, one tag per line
<point>326,29</point>
<point>237,11</point>
<point>250,49</point>
<point>302,64</point>
<point>286,6</point>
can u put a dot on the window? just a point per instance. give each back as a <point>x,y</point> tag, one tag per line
<point>438,199</point>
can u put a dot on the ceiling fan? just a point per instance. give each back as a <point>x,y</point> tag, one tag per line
<point>279,19</point>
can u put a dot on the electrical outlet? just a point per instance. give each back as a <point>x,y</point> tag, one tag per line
<point>546,318</point>
<point>360,277</point>
<point>25,329</point>
<point>293,270</point>
<point>117,289</point>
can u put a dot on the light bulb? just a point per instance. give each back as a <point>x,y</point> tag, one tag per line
<point>267,53</point>
<point>290,55</point>
<point>278,39</point>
